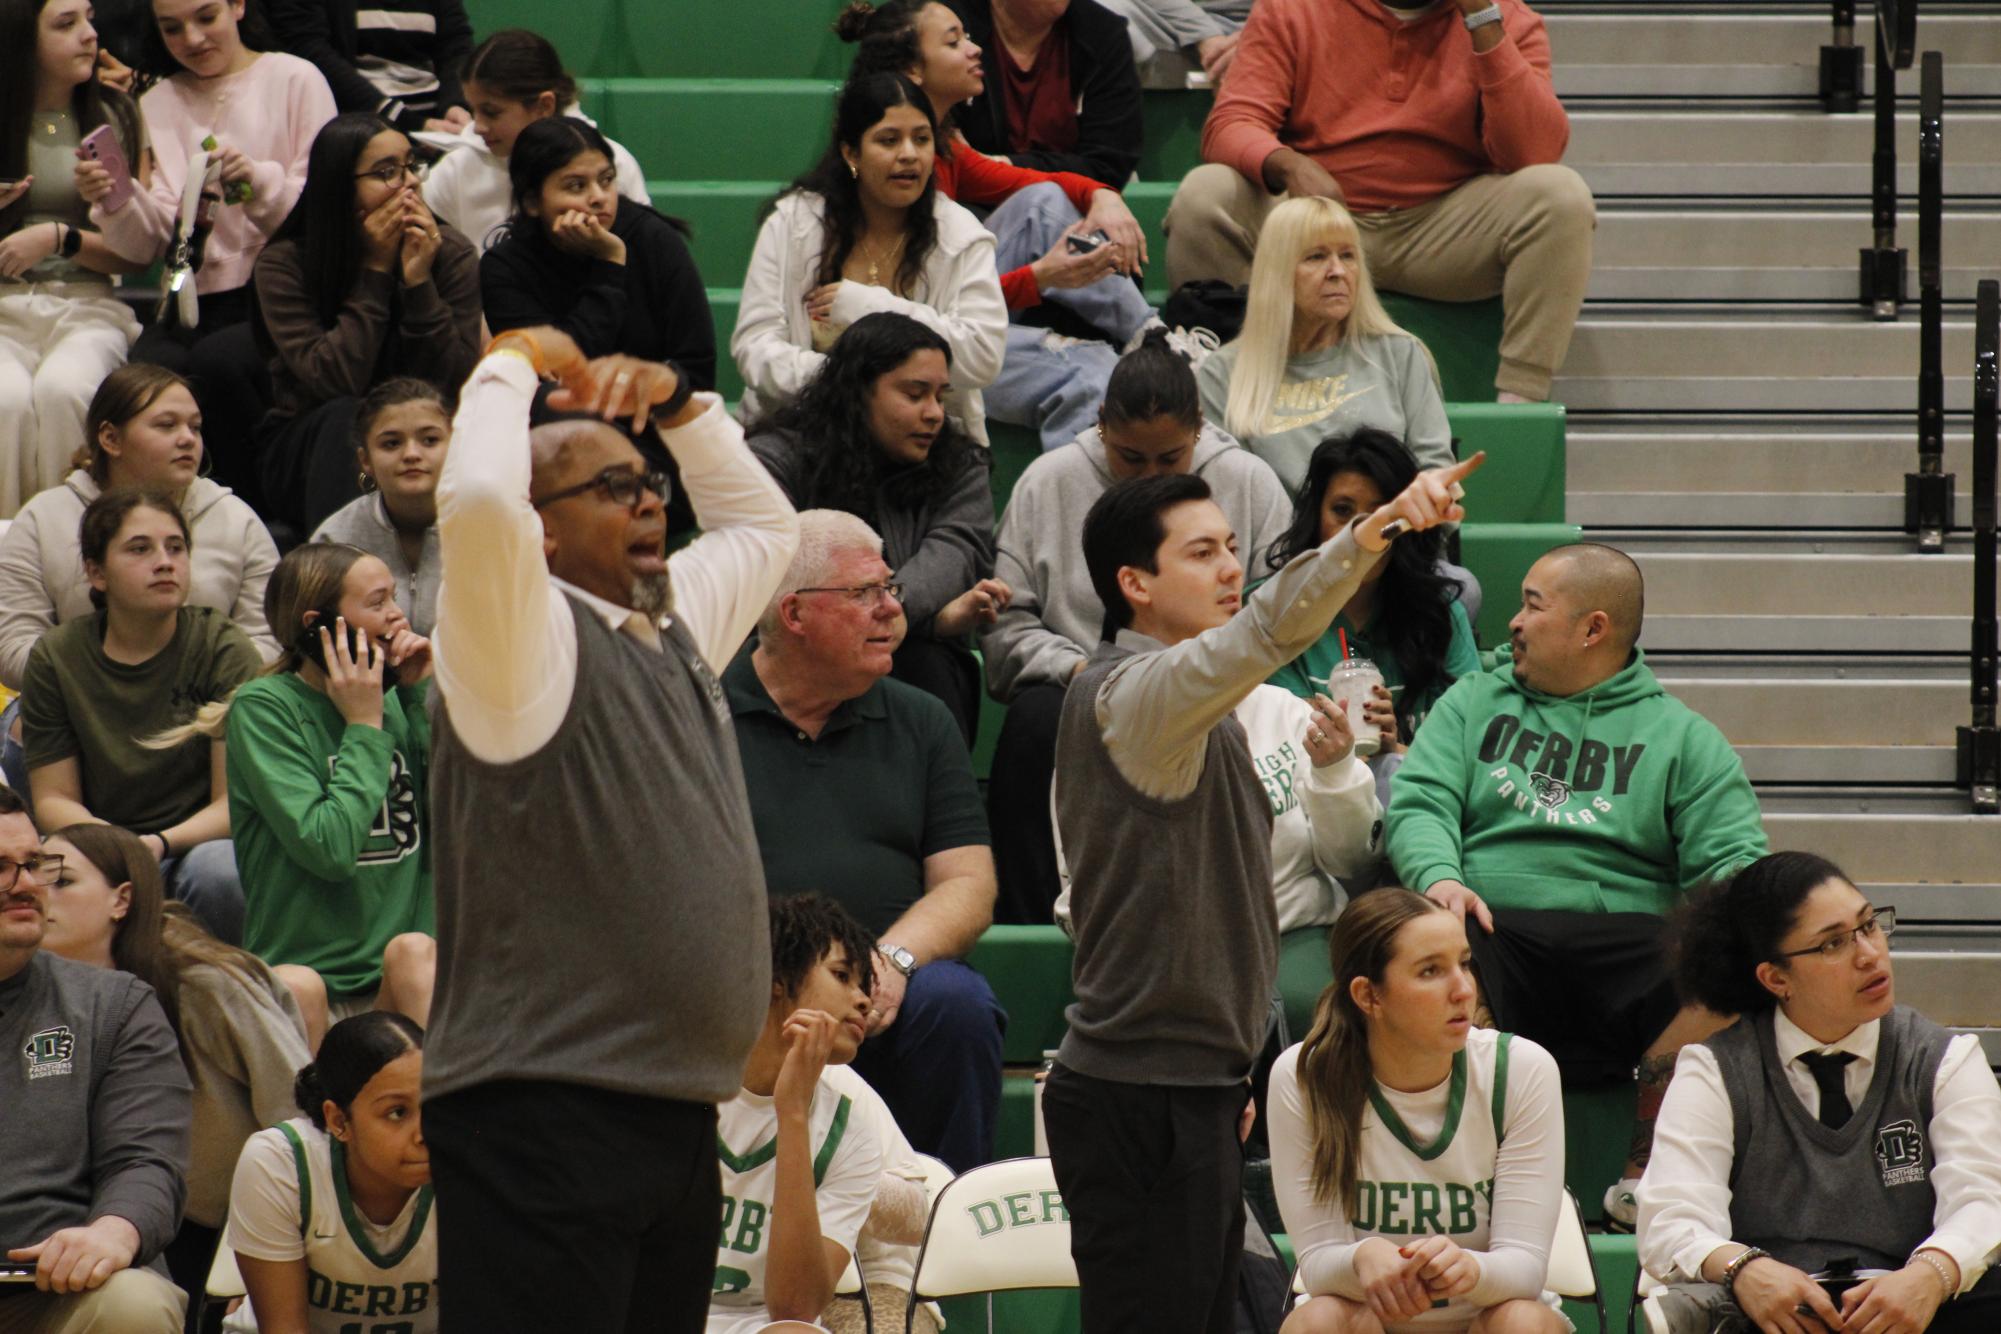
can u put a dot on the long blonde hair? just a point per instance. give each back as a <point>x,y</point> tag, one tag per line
<point>309,578</point>
<point>1334,1070</point>
<point>1265,343</point>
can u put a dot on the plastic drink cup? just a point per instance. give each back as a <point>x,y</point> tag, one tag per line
<point>1351,684</point>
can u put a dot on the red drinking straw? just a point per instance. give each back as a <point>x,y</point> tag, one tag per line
<point>1344,643</point>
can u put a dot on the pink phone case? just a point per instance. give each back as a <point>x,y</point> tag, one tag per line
<point>101,147</point>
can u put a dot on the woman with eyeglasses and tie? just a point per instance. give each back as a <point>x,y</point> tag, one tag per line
<point>1833,1160</point>
<point>870,435</point>
<point>359,284</point>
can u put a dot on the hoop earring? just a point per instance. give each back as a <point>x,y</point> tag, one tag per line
<point>364,482</point>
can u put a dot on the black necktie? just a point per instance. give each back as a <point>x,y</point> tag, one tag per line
<point>1827,1068</point>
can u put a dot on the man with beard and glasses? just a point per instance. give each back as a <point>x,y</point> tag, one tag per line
<point>603,968</point>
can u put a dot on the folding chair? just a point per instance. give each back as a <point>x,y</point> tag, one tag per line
<point>1646,1316</point>
<point>851,1286</point>
<point>997,1228</point>
<point>1573,1270</point>
<point>224,1285</point>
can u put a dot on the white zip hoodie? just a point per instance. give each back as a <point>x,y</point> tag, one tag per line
<point>469,187</point>
<point>958,294</point>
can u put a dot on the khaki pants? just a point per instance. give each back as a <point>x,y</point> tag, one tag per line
<point>132,1301</point>
<point>1525,235</point>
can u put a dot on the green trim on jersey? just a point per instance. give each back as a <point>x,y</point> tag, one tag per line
<point>837,1128</point>
<point>764,1152</point>
<point>355,1232</point>
<point>1500,1083</point>
<point>1454,1105</point>
<point>305,1178</point>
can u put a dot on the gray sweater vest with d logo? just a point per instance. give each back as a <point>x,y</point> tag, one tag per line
<point>1809,1194</point>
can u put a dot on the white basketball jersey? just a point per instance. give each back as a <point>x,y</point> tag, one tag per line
<point>848,1160</point>
<point>1416,1182</point>
<point>360,1278</point>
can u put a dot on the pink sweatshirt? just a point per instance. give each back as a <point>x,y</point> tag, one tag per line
<point>270,113</point>
<point>1397,112</point>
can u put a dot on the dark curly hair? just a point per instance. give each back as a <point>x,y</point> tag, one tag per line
<point>804,927</point>
<point>864,100</point>
<point>1717,939</point>
<point>884,35</point>
<point>1413,601</point>
<point>849,470</point>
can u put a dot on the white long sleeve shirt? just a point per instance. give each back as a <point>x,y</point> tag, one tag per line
<point>1684,1198</point>
<point>505,646</point>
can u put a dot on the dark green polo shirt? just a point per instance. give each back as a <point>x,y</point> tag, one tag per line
<point>855,813</point>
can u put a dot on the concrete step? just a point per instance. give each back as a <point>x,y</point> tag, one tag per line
<point>1817,731</point>
<point>1769,254</point>
<point>1931,865</point>
<point>1664,359</point>
<point>1769,154</point>
<point>1795,602</point>
<point>1745,51</point>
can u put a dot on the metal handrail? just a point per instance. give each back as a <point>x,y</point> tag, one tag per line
<point>1928,492</point>
<point>1884,267</point>
<point>1841,63</point>
<point>1979,749</point>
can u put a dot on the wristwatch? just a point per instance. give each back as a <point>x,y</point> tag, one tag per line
<point>904,961</point>
<point>684,389</point>
<point>1491,14</point>
<point>69,241</point>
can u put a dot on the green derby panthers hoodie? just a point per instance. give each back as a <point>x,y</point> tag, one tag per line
<point>1617,799</point>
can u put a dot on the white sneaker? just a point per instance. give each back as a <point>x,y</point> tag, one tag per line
<point>1194,343</point>
<point>1622,1205</point>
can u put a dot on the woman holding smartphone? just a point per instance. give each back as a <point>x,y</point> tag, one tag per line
<point>62,330</point>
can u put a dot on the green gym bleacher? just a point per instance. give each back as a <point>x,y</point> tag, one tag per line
<point>722,113</point>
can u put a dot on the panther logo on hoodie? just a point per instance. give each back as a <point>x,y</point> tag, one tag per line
<point>1550,793</point>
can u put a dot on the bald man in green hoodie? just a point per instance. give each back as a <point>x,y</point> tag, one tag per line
<point>1566,803</point>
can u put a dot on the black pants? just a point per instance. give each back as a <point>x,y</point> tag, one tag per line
<point>573,1209</point>
<point>1153,1177</point>
<point>946,670</point>
<point>231,380</point>
<point>1975,1311</point>
<point>308,463</point>
<point>189,1257</point>
<point>1018,808</point>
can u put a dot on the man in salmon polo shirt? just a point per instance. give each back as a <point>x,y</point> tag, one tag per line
<point>1434,121</point>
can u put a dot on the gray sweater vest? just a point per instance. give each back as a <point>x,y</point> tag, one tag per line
<point>1809,1194</point>
<point>1171,903</point>
<point>601,907</point>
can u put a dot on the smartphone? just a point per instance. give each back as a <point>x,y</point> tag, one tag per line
<point>101,147</point>
<point>1083,243</point>
<point>309,645</point>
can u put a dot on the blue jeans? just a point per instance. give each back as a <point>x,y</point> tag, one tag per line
<point>1028,225</point>
<point>204,877</point>
<point>1053,385</point>
<point>939,1065</point>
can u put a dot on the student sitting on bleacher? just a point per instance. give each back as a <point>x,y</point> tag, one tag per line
<point>223,87</point>
<point>92,1180</point>
<point>861,788</point>
<point>1829,1125</point>
<point>1168,828</point>
<point>868,230</point>
<point>333,1208</point>
<point>1318,355</point>
<point>1437,125</point>
<point>401,432</point>
<point>578,256</point>
<point>1418,1161</point>
<point>62,328</point>
<point>241,1035</point>
<point>329,750</point>
<point>1407,617</point>
<point>1151,424</point>
<point>870,436</point>
<point>144,431</point>
<point>1050,381</point>
<point>360,284</point>
<point>1064,94</point>
<point>799,1169</point>
<point>514,79</point>
<point>400,59</point>
<point>1567,802</point>
<point>100,687</point>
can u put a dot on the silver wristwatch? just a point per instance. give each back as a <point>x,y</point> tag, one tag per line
<point>903,959</point>
<point>1491,14</point>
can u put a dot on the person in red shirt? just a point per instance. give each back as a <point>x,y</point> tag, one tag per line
<point>1435,122</point>
<point>1070,313</point>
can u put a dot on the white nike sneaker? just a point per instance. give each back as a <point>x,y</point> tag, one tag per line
<point>1622,1206</point>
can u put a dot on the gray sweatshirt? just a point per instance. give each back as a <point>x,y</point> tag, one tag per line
<point>248,1044</point>
<point>95,1103</point>
<point>1055,619</point>
<point>364,522</point>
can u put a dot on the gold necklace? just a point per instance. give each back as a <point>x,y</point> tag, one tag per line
<point>868,253</point>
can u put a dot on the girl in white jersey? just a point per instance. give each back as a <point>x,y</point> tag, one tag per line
<point>330,1216</point>
<point>1418,1161</point>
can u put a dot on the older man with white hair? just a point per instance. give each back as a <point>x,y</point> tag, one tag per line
<point>861,788</point>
